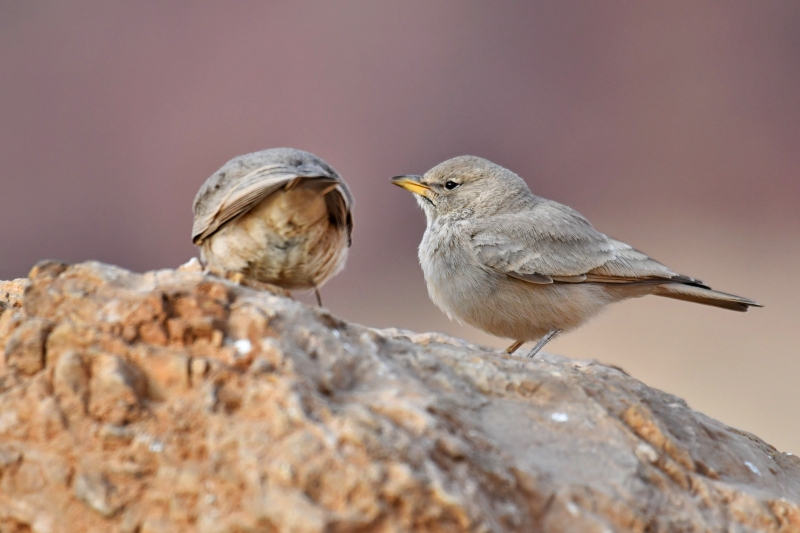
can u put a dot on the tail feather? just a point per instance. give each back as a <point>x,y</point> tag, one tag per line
<point>700,295</point>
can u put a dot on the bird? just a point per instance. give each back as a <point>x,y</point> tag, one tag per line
<point>522,267</point>
<point>280,217</point>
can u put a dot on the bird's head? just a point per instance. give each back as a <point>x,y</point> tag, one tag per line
<point>465,187</point>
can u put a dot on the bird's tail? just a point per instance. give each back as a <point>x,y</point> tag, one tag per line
<point>700,295</point>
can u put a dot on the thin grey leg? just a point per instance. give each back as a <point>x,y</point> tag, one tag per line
<point>544,340</point>
<point>319,298</point>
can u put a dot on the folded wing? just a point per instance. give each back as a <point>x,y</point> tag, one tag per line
<point>252,188</point>
<point>555,244</point>
<point>549,243</point>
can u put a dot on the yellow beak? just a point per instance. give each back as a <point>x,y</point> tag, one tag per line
<point>411,183</point>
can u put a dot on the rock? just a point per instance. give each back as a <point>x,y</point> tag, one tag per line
<point>71,383</point>
<point>11,293</point>
<point>177,401</point>
<point>24,348</point>
<point>116,389</point>
<point>96,492</point>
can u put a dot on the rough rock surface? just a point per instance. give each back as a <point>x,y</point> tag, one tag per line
<point>174,401</point>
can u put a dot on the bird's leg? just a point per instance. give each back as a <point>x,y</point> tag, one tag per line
<point>514,347</point>
<point>319,298</point>
<point>544,340</point>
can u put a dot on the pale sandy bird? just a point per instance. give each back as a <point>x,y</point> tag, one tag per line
<point>522,267</point>
<point>280,216</point>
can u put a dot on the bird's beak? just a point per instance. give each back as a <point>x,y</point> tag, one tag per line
<point>412,183</point>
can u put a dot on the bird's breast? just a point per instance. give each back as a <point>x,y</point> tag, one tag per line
<point>453,275</point>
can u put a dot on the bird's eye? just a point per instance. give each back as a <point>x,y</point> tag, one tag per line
<point>450,185</point>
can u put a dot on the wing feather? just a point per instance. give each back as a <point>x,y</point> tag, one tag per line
<point>250,190</point>
<point>549,241</point>
<point>632,266</point>
<point>339,209</point>
<point>552,243</point>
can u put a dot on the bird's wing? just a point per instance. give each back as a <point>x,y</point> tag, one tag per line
<point>250,190</point>
<point>553,243</point>
<point>631,266</point>
<point>338,202</point>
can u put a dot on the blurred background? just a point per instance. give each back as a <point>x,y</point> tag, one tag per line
<point>674,127</point>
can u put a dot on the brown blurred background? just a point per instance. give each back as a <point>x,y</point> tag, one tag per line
<point>672,126</point>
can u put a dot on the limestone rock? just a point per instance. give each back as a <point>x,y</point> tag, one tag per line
<point>175,401</point>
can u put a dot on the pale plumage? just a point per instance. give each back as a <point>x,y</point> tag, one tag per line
<point>515,265</point>
<point>280,216</point>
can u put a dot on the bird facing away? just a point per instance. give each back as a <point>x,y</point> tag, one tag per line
<point>518,266</point>
<point>279,216</point>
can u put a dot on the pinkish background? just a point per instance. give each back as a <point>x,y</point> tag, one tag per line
<point>672,126</point>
